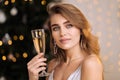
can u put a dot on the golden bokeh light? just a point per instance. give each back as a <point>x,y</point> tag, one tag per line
<point>89,6</point>
<point>6,2</point>
<point>119,63</point>
<point>108,44</point>
<point>111,53</point>
<point>12,1</point>
<point>119,55</point>
<point>1,43</point>
<point>95,2</point>
<point>105,58</point>
<point>99,34</point>
<point>119,6</point>
<point>21,37</point>
<point>4,58</point>
<point>99,10</point>
<point>119,69</point>
<point>118,14</point>
<point>43,2</point>
<point>10,56</point>
<point>9,42</point>
<point>15,37</point>
<point>25,55</point>
<point>119,38</point>
<point>99,18</point>
<point>14,59</point>
<point>118,0</point>
<point>111,6</point>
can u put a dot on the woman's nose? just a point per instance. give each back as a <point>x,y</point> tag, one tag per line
<point>63,32</point>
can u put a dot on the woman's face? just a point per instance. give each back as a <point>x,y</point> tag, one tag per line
<point>64,33</point>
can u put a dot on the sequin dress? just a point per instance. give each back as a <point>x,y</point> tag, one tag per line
<point>74,76</point>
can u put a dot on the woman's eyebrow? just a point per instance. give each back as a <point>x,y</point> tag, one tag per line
<point>54,25</point>
<point>66,22</point>
<point>58,24</point>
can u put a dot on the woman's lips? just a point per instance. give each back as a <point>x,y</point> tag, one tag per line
<point>64,40</point>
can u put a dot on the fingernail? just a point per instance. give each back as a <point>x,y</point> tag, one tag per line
<point>45,59</point>
<point>40,53</point>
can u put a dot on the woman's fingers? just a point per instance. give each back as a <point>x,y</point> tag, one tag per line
<point>35,71</point>
<point>36,65</point>
<point>40,69</point>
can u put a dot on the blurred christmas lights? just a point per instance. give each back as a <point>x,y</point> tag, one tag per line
<point>13,11</point>
<point>2,17</point>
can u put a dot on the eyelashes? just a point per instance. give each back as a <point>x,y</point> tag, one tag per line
<point>69,26</point>
<point>57,28</point>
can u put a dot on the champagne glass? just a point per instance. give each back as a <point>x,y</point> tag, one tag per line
<point>38,36</point>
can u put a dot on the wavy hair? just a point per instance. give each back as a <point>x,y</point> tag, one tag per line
<point>88,42</point>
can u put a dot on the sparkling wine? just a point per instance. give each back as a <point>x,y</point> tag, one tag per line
<point>39,44</point>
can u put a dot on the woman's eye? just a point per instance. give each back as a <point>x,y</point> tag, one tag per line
<point>55,28</point>
<point>69,26</point>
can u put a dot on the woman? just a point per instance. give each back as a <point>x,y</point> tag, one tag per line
<point>75,48</point>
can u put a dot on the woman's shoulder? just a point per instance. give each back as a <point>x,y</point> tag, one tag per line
<point>92,68</point>
<point>52,64</point>
<point>92,61</point>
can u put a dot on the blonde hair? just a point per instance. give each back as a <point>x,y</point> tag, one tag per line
<point>88,42</point>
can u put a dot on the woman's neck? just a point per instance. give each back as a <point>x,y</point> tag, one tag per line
<point>74,54</point>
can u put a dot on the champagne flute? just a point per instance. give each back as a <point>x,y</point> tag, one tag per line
<point>38,36</point>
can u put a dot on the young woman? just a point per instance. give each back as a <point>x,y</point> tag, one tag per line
<point>75,48</point>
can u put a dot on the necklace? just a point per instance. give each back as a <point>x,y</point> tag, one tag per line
<point>73,59</point>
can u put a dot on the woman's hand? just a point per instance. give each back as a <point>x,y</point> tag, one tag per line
<point>36,65</point>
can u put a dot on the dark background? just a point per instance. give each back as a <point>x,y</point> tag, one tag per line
<point>31,14</point>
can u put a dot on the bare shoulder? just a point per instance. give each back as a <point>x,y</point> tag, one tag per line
<point>92,68</point>
<point>51,65</point>
<point>92,62</point>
